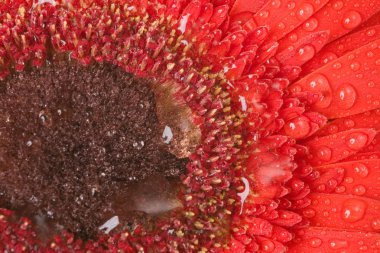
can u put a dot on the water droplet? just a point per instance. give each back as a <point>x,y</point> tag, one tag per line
<point>349,180</point>
<point>276,3</point>
<point>263,14</point>
<point>309,213</point>
<point>356,141</point>
<point>359,190</point>
<point>338,244</point>
<point>306,53</point>
<point>361,170</point>
<point>305,11</point>
<point>337,65</point>
<point>355,66</point>
<point>319,83</point>
<point>375,224</point>
<point>315,242</point>
<point>311,24</point>
<point>353,210</point>
<point>324,153</point>
<point>346,96</point>
<point>267,246</point>
<point>298,128</point>
<point>351,19</point>
<point>291,5</point>
<point>349,123</point>
<point>338,5</point>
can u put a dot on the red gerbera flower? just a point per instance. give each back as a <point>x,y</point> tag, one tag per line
<point>285,94</point>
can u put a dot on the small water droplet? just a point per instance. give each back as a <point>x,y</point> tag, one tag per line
<point>338,5</point>
<point>291,5</point>
<point>351,19</point>
<point>309,213</point>
<point>355,66</point>
<point>346,96</point>
<point>356,140</point>
<point>324,153</point>
<point>375,224</point>
<point>353,210</point>
<point>338,244</point>
<point>315,242</point>
<point>349,123</point>
<point>276,3</point>
<point>359,190</point>
<point>337,65</point>
<point>361,170</point>
<point>298,128</point>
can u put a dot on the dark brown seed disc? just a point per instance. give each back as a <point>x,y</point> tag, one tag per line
<point>80,146</point>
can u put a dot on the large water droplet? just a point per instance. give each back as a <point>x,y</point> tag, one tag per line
<point>353,210</point>
<point>324,153</point>
<point>297,128</point>
<point>356,141</point>
<point>351,19</point>
<point>311,24</point>
<point>346,96</point>
<point>319,83</point>
<point>306,52</point>
<point>305,11</point>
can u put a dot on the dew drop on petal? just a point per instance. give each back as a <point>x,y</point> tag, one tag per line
<point>315,242</point>
<point>356,141</point>
<point>305,11</point>
<point>375,224</point>
<point>346,96</point>
<point>298,128</point>
<point>338,244</point>
<point>359,190</point>
<point>311,24</point>
<point>306,52</point>
<point>324,153</point>
<point>361,170</point>
<point>351,19</point>
<point>337,5</point>
<point>319,83</point>
<point>353,210</point>
<point>355,66</point>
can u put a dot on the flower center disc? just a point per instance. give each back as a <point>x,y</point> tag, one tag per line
<point>83,149</point>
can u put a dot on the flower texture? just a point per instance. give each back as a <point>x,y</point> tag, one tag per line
<point>287,97</point>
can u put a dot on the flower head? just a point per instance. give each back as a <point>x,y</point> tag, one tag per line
<point>284,95</point>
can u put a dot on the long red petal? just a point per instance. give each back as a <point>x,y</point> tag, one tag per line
<point>342,46</point>
<point>346,85</point>
<point>368,119</point>
<point>344,212</point>
<point>336,147</point>
<point>359,178</point>
<point>337,17</point>
<point>317,240</point>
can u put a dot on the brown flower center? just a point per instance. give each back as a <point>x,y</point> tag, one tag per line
<point>84,148</point>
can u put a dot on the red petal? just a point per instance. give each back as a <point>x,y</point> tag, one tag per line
<point>360,178</point>
<point>344,211</point>
<point>346,85</point>
<point>338,17</point>
<point>368,119</point>
<point>336,147</point>
<point>295,13</point>
<point>317,240</point>
<point>304,49</point>
<point>246,6</point>
<point>342,46</point>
